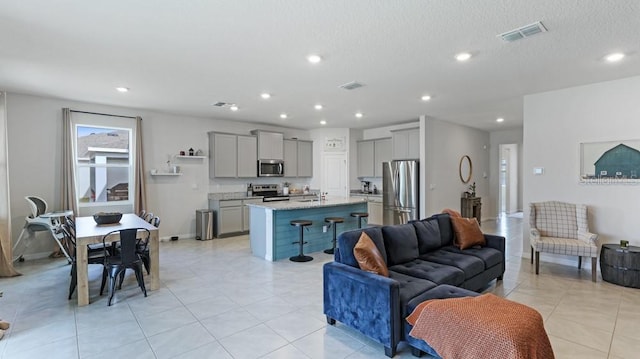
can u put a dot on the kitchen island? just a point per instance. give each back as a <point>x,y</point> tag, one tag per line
<point>272,237</point>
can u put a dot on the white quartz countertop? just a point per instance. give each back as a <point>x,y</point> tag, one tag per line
<point>302,204</point>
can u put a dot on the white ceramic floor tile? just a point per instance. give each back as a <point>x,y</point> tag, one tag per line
<point>211,307</point>
<point>165,321</point>
<point>253,342</point>
<point>270,308</point>
<point>295,325</point>
<point>60,349</point>
<point>328,343</point>
<point>139,350</point>
<point>229,323</point>
<point>180,340</point>
<point>286,352</point>
<point>99,340</point>
<point>209,351</point>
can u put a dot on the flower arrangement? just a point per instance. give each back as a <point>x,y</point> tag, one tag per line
<point>471,190</point>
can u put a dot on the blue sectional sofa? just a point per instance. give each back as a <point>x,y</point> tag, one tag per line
<point>421,259</point>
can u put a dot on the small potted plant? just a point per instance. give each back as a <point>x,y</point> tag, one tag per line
<point>471,191</point>
<point>285,188</point>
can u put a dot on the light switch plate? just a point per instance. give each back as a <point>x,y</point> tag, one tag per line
<point>538,171</point>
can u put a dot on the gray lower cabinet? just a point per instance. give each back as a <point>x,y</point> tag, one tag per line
<point>232,216</point>
<point>375,212</point>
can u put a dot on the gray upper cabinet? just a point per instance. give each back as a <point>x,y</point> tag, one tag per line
<point>270,145</point>
<point>365,158</point>
<point>247,156</point>
<point>406,144</point>
<point>223,154</point>
<point>232,156</point>
<point>305,159</point>
<point>298,158</point>
<point>290,158</point>
<point>371,154</point>
<point>381,153</point>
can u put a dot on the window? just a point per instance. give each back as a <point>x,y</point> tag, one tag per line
<point>104,161</point>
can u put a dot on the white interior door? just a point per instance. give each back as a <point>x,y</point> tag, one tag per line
<point>334,174</point>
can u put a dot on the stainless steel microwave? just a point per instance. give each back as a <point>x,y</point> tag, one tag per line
<point>270,168</point>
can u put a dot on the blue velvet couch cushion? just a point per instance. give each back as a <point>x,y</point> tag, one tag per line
<point>428,233</point>
<point>347,240</point>
<point>410,287</point>
<point>470,265</point>
<point>435,272</point>
<point>401,243</point>
<point>490,256</point>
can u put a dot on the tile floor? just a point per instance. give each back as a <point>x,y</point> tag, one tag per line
<point>217,301</point>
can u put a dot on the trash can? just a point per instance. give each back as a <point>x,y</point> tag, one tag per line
<point>204,224</point>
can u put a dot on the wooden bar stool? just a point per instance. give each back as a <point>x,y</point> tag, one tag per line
<point>301,223</point>
<point>333,221</point>
<point>360,215</point>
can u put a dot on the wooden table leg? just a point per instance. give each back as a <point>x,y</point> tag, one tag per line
<point>82,275</point>
<point>154,252</point>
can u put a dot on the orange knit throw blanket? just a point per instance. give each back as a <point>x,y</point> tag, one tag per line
<point>486,326</point>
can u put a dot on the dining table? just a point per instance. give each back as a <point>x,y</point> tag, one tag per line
<point>89,232</point>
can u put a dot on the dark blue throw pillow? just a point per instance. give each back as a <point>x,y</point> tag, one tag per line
<point>428,233</point>
<point>401,243</point>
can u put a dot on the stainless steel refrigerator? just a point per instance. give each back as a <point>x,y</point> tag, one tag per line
<point>400,191</point>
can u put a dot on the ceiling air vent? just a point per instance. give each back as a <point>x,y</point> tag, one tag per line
<point>219,104</point>
<point>522,32</point>
<point>351,85</point>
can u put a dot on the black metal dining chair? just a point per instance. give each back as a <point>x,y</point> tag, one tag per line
<point>95,254</point>
<point>127,257</point>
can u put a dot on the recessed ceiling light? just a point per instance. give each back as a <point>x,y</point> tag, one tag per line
<point>122,89</point>
<point>318,107</point>
<point>463,56</point>
<point>283,115</point>
<point>425,98</point>
<point>265,95</point>
<point>359,114</point>
<point>323,122</point>
<point>615,57</point>
<point>314,59</point>
<point>233,108</point>
<point>499,119</point>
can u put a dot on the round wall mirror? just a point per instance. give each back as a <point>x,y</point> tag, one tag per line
<point>465,169</point>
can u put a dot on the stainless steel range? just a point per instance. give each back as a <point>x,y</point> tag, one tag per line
<point>269,192</point>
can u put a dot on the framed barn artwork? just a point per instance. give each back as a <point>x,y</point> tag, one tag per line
<point>612,162</point>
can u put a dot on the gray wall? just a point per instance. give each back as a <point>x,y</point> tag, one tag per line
<point>555,123</point>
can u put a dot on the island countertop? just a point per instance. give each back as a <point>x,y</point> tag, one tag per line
<point>305,204</point>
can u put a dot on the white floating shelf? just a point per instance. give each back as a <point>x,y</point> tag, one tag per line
<point>166,174</point>
<point>198,157</point>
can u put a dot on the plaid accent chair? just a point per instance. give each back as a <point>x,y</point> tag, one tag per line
<point>562,228</point>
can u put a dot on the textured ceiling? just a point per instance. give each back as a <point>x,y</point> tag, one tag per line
<point>182,56</point>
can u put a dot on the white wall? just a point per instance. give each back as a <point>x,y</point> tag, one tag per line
<point>497,138</point>
<point>555,123</point>
<point>35,144</point>
<point>445,144</point>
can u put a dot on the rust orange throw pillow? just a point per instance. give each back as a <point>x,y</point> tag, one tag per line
<point>452,212</point>
<point>369,257</point>
<point>468,233</point>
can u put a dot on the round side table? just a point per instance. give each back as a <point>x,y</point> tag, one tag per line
<point>620,265</point>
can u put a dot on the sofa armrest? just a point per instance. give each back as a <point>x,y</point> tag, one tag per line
<point>587,237</point>
<point>495,242</point>
<point>534,234</point>
<point>499,243</point>
<point>365,301</point>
